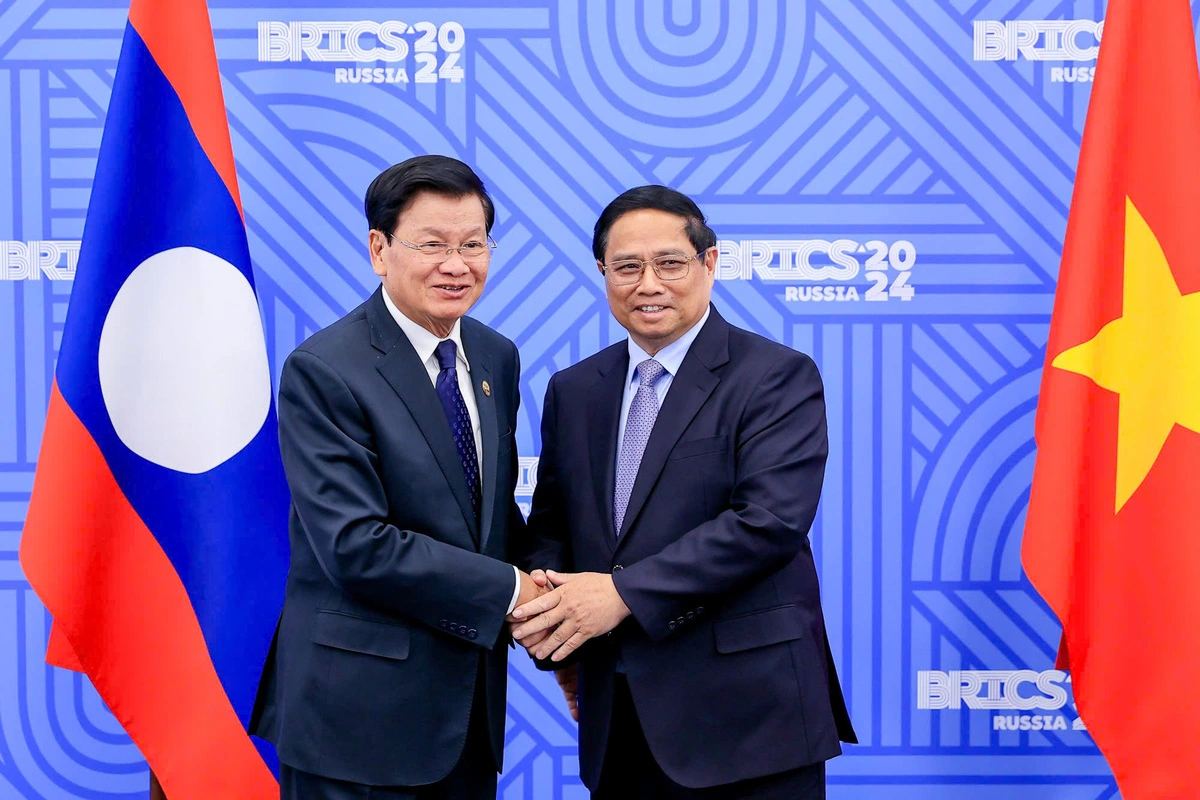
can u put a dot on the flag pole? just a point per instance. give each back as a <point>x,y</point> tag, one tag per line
<point>156,792</point>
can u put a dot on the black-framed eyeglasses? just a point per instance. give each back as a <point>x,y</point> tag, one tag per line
<point>670,267</point>
<point>437,252</point>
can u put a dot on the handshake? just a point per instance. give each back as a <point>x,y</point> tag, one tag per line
<point>557,612</point>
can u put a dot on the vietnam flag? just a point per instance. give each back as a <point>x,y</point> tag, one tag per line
<point>156,533</point>
<point>1112,538</point>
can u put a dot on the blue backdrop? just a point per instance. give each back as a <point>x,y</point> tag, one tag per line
<point>890,182</point>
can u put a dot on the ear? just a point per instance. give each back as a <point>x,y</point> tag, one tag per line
<point>376,241</point>
<point>710,262</point>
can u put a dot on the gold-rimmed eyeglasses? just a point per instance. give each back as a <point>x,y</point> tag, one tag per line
<point>437,252</point>
<point>670,267</point>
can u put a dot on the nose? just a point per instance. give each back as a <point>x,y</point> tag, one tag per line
<point>650,282</point>
<point>454,265</point>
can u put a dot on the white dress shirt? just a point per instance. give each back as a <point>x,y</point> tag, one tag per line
<point>425,343</point>
<point>671,357</point>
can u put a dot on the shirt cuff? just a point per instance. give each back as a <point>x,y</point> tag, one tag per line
<point>516,592</point>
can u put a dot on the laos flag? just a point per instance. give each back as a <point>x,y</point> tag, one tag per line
<point>156,533</point>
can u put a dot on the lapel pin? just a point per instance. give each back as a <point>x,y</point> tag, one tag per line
<point>487,389</point>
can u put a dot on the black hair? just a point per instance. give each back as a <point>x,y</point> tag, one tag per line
<point>659,198</point>
<point>394,189</point>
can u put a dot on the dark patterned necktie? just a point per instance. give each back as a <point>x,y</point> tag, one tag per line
<point>456,414</point>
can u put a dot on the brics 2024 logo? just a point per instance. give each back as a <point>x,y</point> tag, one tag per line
<point>1002,690</point>
<point>38,260</point>
<point>886,266</point>
<point>1042,40</point>
<point>434,52</point>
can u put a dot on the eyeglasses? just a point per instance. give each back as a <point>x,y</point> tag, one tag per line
<point>437,252</point>
<point>670,267</point>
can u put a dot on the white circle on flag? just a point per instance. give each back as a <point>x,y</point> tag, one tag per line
<point>183,362</point>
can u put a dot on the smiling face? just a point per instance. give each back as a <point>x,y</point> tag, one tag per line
<point>433,295</point>
<point>654,311</point>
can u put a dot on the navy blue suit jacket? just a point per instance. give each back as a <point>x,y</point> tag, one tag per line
<point>396,594</point>
<point>725,652</point>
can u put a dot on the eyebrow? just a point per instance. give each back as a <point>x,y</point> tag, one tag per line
<point>629,257</point>
<point>432,231</point>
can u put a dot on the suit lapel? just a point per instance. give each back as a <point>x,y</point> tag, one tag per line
<point>690,389</point>
<point>481,371</point>
<point>604,416</point>
<point>405,373</point>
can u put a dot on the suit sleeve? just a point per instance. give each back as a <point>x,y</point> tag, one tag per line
<point>782,444</point>
<point>517,528</point>
<point>332,471</point>
<point>516,520</point>
<point>547,541</point>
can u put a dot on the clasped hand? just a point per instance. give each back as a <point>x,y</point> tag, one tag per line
<point>578,607</point>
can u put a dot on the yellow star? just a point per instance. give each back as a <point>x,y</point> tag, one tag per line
<point>1150,356</point>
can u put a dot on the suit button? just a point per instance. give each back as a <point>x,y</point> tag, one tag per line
<point>462,629</point>
<point>471,634</point>
<point>700,610</point>
<point>671,625</point>
<point>690,615</point>
<point>617,568</point>
<point>443,624</point>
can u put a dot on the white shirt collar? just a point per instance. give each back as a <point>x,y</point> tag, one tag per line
<point>422,340</point>
<point>671,356</point>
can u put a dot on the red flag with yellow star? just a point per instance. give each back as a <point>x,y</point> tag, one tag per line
<point>1112,538</point>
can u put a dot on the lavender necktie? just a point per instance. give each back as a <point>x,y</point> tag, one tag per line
<point>456,414</point>
<point>642,413</point>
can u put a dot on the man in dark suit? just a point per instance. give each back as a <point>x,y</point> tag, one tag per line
<point>679,475</point>
<point>388,672</point>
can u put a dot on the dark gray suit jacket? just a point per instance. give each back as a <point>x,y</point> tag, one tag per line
<point>396,594</point>
<point>726,653</point>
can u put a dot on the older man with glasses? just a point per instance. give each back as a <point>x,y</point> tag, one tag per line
<point>387,677</point>
<point>679,476</point>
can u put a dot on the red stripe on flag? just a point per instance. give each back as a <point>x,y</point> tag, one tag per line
<point>121,606</point>
<point>179,36</point>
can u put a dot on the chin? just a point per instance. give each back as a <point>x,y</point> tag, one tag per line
<point>449,313</point>
<point>658,329</point>
<point>458,308</point>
